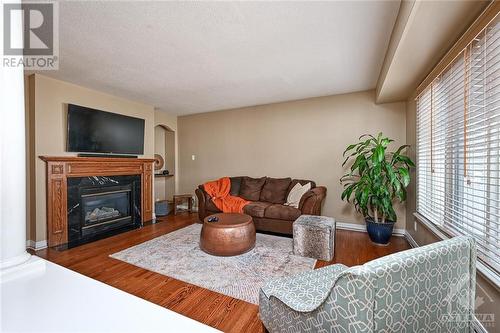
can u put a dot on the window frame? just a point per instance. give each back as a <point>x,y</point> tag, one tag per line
<point>458,50</point>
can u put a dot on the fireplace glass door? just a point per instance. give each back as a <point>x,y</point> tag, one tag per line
<point>110,205</point>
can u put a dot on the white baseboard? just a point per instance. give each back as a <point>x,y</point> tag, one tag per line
<point>31,244</point>
<point>362,228</point>
<point>410,239</point>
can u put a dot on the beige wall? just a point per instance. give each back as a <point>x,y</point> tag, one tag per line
<point>487,296</point>
<point>411,139</point>
<point>298,139</point>
<point>29,95</point>
<point>159,182</point>
<point>49,130</point>
<point>169,122</point>
<point>170,164</point>
<point>165,119</point>
<point>165,147</point>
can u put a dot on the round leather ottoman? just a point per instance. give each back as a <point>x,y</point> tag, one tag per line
<point>231,235</point>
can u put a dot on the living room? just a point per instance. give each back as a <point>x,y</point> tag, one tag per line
<point>251,167</point>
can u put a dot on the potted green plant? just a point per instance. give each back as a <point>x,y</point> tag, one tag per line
<point>375,180</point>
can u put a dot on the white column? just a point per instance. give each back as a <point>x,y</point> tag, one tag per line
<point>12,165</point>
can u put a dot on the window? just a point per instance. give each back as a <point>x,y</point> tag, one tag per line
<point>458,146</point>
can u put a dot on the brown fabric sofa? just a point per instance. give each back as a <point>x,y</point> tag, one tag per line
<point>267,196</point>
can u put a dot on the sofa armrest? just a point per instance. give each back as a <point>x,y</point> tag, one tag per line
<point>310,203</point>
<point>202,203</point>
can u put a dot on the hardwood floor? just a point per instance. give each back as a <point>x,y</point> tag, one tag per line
<point>222,312</point>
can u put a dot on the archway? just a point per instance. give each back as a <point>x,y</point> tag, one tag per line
<point>165,147</point>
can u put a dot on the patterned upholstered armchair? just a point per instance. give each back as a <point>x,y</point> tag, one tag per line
<point>426,289</point>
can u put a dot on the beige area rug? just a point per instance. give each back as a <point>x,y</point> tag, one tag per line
<point>178,255</point>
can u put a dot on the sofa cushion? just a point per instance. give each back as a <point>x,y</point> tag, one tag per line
<point>280,212</point>
<point>301,182</point>
<point>256,208</point>
<point>235,186</point>
<point>296,194</point>
<point>275,189</point>
<point>251,187</point>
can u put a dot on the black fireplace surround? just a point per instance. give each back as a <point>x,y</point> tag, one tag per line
<point>101,206</point>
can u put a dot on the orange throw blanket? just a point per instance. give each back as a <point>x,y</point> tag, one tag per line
<point>219,191</point>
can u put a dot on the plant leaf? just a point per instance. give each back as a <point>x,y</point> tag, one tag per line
<point>405,176</point>
<point>350,147</point>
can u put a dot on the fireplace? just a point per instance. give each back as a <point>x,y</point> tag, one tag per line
<point>106,207</point>
<point>70,177</point>
<point>100,206</point>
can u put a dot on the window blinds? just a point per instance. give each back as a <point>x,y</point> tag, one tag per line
<point>458,146</point>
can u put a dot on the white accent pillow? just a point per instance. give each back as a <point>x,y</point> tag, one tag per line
<point>296,194</point>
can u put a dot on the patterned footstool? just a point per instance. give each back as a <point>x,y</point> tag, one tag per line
<point>313,237</point>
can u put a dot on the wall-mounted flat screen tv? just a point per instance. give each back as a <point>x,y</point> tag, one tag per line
<point>96,131</point>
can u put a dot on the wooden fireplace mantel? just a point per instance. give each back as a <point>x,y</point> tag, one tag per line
<point>61,168</point>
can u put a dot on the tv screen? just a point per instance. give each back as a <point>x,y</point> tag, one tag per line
<point>95,131</point>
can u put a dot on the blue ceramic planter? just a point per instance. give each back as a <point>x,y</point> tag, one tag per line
<point>380,233</point>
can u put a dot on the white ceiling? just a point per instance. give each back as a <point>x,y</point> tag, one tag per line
<point>191,57</point>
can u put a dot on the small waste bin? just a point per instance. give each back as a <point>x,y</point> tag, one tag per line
<point>163,207</point>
